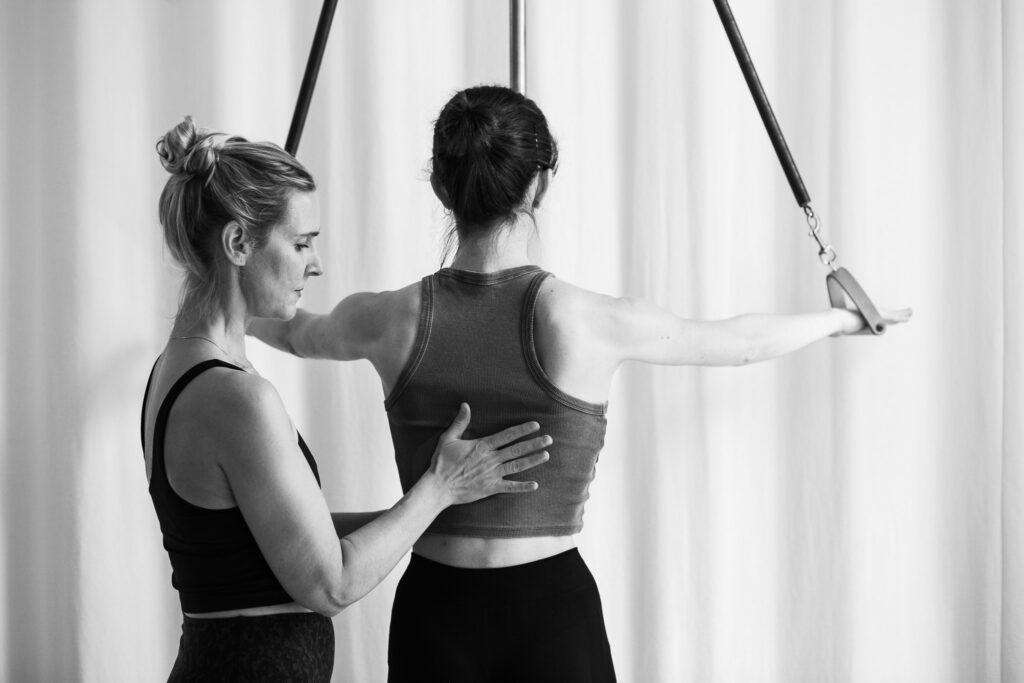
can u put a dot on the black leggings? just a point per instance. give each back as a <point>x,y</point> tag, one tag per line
<point>276,647</point>
<point>540,621</point>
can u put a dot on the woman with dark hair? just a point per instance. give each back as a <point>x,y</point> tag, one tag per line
<point>259,562</point>
<point>496,590</point>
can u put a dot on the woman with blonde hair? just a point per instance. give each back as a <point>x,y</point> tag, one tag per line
<point>259,562</point>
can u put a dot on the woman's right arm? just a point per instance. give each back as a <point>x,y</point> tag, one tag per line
<point>356,328</point>
<point>286,511</point>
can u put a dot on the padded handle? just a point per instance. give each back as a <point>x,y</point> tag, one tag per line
<point>841,284</point>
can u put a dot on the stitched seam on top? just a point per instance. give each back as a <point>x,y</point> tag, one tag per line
<point>485,279</point>
<point>533,360</point>
<point>420,348</point>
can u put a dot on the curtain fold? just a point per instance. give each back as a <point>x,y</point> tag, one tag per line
<point>851,513</point>
<point>1012,499</point>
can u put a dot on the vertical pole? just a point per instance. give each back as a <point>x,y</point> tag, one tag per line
<point>316,55</point>
<point>517,45</point>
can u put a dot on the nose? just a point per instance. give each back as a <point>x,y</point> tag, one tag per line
<point>314,267</point>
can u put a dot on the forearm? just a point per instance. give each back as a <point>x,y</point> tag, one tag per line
<point>372,551</point>
<point>770,336</point>
<point>347,522</point>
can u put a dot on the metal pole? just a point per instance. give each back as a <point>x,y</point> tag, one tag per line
<point>796,183</point>
<point>316,55</point>
<point>517,45</point>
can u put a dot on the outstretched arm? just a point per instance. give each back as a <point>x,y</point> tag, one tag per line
<point>639,330</point>
<point>346,333</point>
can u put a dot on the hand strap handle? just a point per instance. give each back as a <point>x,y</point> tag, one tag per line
<point>841,284</point>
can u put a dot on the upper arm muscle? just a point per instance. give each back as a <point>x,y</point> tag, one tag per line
<point>277,492</point>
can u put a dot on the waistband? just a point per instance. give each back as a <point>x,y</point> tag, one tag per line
<point>283,619</point>
<point>555,575</point>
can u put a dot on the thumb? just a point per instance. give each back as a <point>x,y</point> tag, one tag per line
<point>458,425</point>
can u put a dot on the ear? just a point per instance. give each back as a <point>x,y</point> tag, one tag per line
<point>440,192</point>
<point>542,180</point>
<point>236,243</point>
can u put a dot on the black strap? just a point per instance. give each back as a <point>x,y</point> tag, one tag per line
<point>145,400</point>
<point>165,407</point>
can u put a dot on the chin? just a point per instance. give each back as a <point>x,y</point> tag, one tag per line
<point>284,312</point>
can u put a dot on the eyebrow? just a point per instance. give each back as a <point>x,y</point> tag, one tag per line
<point>309,234</point>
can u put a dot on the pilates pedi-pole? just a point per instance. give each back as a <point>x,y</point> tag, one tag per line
<point>517,45</point>
<point>316,55</point>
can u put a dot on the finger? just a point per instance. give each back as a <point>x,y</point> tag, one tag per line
<point>458,425</point>
<point>503,438</point>
<point>524,463</point>
<point>523,447</point>
<point>518,486</point>
<point>898,316</point>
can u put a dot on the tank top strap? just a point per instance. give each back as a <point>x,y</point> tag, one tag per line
<point>158,469</point>
<point>145,402</point>
<point>420,345</point>
<point>533,359</point>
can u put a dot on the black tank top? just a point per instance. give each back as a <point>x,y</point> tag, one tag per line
<point>215,562</point>
<point>475,344</point>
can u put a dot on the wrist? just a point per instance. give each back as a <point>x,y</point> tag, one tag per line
<point>436,489</point>
<point>847,321</point>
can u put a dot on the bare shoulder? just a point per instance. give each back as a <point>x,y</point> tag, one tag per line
<point>564,306</point>
<point>388,323</point>
<point>401,303</point>
<point>233,408</point>
<point>372,315</point>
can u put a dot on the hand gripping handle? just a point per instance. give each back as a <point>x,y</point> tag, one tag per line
<point>841,284</point>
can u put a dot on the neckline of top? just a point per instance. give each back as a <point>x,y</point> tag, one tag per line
<point>475,278</point>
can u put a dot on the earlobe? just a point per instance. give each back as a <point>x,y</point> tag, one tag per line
<point>236,243</point>
<point>440,192</point>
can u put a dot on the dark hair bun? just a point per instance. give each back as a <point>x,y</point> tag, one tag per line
<point>188,150</point>
<point>471,127</point>
<point>489,144</point>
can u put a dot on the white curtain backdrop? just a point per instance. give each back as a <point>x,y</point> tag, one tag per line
<point>852,513</point>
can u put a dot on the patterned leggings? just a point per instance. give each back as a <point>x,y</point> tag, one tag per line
<point>276,647</point>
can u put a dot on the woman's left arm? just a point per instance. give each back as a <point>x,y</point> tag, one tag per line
<point>639,330</point>
<point>347,522</point>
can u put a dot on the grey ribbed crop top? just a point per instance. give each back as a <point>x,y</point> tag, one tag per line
<point>475,344</point>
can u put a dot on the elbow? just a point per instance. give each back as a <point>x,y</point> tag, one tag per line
<point>327,601</point>
<point>747,344</point>
<point>327,592</point>
<point>331,607</point>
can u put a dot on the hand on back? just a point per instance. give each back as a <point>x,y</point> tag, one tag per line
<point>476,468</point>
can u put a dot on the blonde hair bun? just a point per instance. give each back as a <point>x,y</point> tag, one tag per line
<point>189,150</point>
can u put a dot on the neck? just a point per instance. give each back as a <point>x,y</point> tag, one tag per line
<point>220,327</point>
<point>488,251</point>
